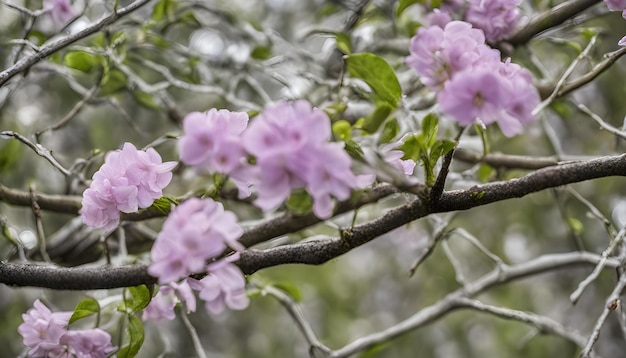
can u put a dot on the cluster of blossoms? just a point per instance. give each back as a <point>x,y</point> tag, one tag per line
<point>497,18</point>
<point>618,5</point>
<point>289,141</point>
<point>473,84</point>
<point>128,180</point>
<point>195,232</point>
<point>46,335</point>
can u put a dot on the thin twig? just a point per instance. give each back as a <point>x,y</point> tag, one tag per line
<point>303,324</point>
<point>194,334</point>
<point>575,296</point>
<point>41,236</point>
<point>63,42</point>
<point>601,122</point>
<point>609,307</point>
<point>37,148</point>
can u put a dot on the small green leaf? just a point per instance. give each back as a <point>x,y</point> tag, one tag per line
<point>82,61</point>
<point>390,131</point>
<point>135,299</point>
<point>412,148</point>
<point>136,337</point>
<point>441,148</point>
<point>429,129</point>
<point>354,149</point>
<point>85,308</point>
<point>575,224</point>
<point>342,130</point>
<point>146,100</point>
<point>377,117</point>
<point>261,53</point>
<point>378,75</point>
<point>404,4</point>
<point>299,202</point>
<point>113,81</point>
<point>343,42</point>
<point>290,289</point>
<point>160,10</point>
<point>10,154</point>
<point>164,204</point>
<point>485,172</point>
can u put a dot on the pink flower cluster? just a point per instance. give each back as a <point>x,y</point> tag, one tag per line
<point>195,232</point>
<point>473,84</point>
<point>128,180</point>
<point>618,5</point>
<point>289,141</point>
<point>46,335</point>
<point>497,18</point>
<point>212,143</point>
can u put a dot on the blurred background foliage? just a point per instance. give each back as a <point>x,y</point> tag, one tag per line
<point>139,77</point>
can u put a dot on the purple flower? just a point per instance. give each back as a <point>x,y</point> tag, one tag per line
<point>394,156</point>
<point>497,18</point>
<point>61,11</point>
<point>42,330</point>
<point>506,96</point>
<point>128,180</point>
<point>290,143</point>
<point>162,305</point>
<point>89,343</point>
<point>194,232</point>
<point>438,54</point>
<point>616,5</point>
<point>622,42</point>
<point>225,286</point>
<point>212,143</point>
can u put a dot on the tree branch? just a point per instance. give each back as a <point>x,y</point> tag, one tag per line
<point>47,50</point>
<point>553,17</point>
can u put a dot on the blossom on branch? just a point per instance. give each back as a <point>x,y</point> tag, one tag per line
<point>224,286</point>
<point>497,18</point>
<point>162,305</point>
<point>45,334</point>
<point>290,143</point>
<point>128,180</point>
<point>195,231</point>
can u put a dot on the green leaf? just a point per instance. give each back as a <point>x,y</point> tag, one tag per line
<point>575,224</point>
<point>10,154</point>
<point>377,73</point>
<point>354,150</point>
<point>164,204</point>
<point>299,202</point>
<point>290,289</point>
<point>377,117</point>
<point>343,42</point>
<point>113,81</point>
<point>430,125</point>
<point>404,4</point>
<point>441,148</point>
<point>135,299</point>
<point>412,147</point>
<point>85,308</point>
<point>342,130</point>
<point>136,337</point>
<point>160,10</point>
<point>82,61</point>
<point>485,172</point>
<point>146,100</point>
<point>390,131</point>
<point>261,52</point>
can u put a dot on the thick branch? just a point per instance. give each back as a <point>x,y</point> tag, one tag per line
<point>318,252</point>
<point>45,51</point>
<point>550,18</point>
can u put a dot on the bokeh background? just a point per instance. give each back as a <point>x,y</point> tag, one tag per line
<point>172,57</point>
